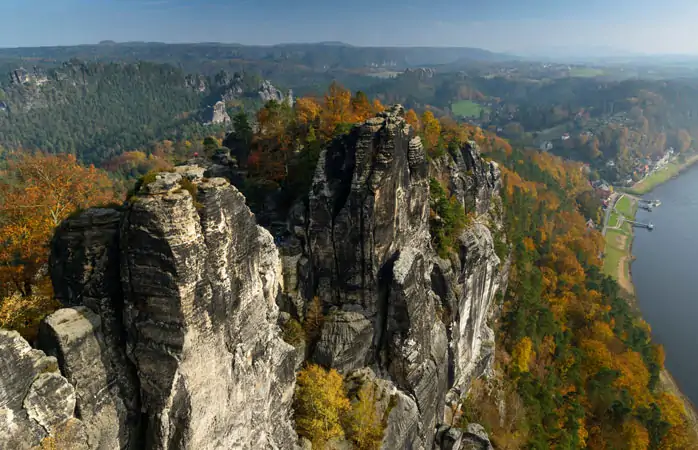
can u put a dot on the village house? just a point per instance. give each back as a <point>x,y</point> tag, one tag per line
<point>546,146</point>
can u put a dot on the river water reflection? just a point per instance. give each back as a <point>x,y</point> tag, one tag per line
<point>665,275</point>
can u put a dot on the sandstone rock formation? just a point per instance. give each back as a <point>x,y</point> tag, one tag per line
<point>200,288</point>
<point>217,114</point>
<point>35,400</point>
<point>169,335</point>
<point>173,339</point>
<point>363,246</point>
<point>268,92</point>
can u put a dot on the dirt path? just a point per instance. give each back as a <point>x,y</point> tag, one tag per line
<point>624,279</point>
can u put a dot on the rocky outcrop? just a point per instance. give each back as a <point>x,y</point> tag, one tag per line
<point>89,340</point>
<point>192,316</point>
<point>169,338</point>
<point>217,114</point>
<point>106,395</point>
<point>36,402</point>
<point>398,410</point>
<point>200,290</point>
<point>363,246</point>
<point>267,92</point>
<point>474,437</point>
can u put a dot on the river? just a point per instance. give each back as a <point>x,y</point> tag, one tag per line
<point>665,275</point>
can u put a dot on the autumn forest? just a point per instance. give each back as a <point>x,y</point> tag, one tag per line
<point>575,362</point>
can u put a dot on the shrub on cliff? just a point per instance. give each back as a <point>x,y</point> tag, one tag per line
<point>293,333</point>
<point>364,428</point>
<point>24,314</point>
<point>447,218</point>
<point>314,319</point>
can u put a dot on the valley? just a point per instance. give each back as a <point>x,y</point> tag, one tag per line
<point>327,246</point>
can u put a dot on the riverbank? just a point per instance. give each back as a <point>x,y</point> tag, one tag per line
<point>668,384</point>
<point>672,170</point>
<point>618,258</point>
<point>619,238</point>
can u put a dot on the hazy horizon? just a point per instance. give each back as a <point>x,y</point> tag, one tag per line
<point>614,27</point>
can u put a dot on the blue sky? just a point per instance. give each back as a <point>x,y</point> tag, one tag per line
<point>647,26</point>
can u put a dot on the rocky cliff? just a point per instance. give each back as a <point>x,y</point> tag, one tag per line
<point>363,246</point>
<point>169,335</point>
<point>216,114</point>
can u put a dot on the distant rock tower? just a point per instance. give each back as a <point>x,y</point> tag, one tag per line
<point>217,114</point>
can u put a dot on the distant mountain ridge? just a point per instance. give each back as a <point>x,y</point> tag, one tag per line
<point>322,55</point>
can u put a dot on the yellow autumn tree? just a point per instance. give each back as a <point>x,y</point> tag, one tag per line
<point>522,354</point>
<point>336,109</point>
<point>363,426</point>
<point>313,319</point>
<point>674,413</point>
<point>635,435</point>
<point>320,404</point>
<point>307,110</point>
<point>412,118</point>
<point>431,130</point>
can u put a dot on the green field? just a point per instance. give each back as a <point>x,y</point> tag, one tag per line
<point>466,108</point>
<point>613,254</point>
<point>618,242</point>
<point>625,207</point>
<point>585,72</point>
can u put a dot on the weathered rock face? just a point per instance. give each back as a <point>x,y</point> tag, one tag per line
<point>106,394</point>
<point>169,338</point>
<point>217,114</point>
<point>36,402</point>
<point>201,315</point>
<point>364,248</point>
<point>90,340</point>
<point>268,92</point>
<point>192,319</point>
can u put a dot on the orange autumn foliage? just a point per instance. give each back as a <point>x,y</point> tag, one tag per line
<point>412,119</point>
<point>36,194</point>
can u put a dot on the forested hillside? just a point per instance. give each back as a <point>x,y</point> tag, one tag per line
<point>578,359</point>
<point>96,111</point>
<point>576,366</point>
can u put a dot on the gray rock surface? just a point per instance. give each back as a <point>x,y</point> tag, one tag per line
<point>36,402</point>
<point>201,316</point>
<point>363,247</point>
<point>217,114</point>
<point>403,425</point>
<point>193,317</point>
<point>474,437</point>
<point>267,92</point>
<point>345,341</point>
<point>110,415</point>
<point>90,340</point>
<point>50,401</point>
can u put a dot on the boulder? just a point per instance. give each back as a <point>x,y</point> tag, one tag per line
<point>345,341</point>
<point>36,402</point>
<point>76,338</point>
